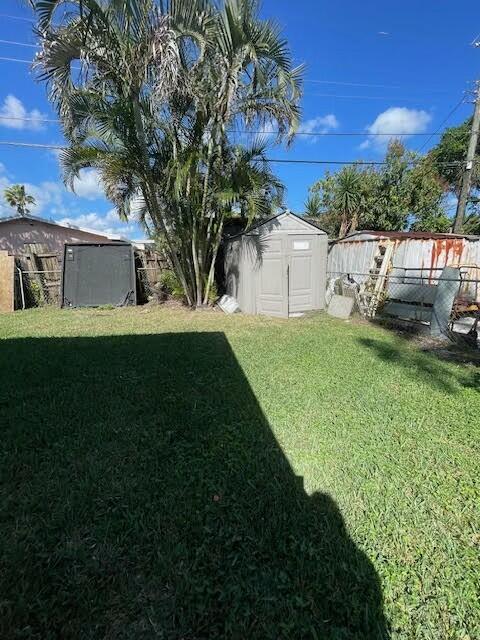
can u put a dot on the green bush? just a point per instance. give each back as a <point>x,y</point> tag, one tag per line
<point>213,294</point>
<point>34,292</point>
<point>170,285</point>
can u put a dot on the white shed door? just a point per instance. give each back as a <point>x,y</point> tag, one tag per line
<point>272,284</point>
<point>300,275</point>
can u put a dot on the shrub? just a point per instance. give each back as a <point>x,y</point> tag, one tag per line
<point>171,285</point>
<point>213,294</point>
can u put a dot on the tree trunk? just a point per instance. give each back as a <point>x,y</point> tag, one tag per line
<point>196,267</point>
<point>343,227</point>
<point>152,196</point>
<point>211,272</point>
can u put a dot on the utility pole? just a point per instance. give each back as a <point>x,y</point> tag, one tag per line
<point>468,170</point>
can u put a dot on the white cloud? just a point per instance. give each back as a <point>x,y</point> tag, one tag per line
<point>108,224</point>
<point>320,124</point>
<point>400,121</point>
<point>14,115</point>
<point>88,185</point>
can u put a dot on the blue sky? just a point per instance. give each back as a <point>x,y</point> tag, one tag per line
<point>371,67</point>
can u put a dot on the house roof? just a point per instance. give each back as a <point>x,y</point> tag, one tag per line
<point>63,226</point>
<point>304,220</point>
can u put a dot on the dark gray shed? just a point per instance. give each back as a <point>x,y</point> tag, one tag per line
<point>95,274</point>
<point>278,267</point>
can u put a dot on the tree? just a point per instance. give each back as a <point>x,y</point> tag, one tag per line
<point>345,197</point>
<point>425,191</point>
<point>449,154</point>
<point>159,88</point>
<point>405,192</point>
<point>17,197</point>
<point>313,205</point>
<point>471,224</point>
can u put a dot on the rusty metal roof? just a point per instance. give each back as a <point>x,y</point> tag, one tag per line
<point>406,235</point>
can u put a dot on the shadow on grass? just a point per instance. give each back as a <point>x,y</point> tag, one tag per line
<point>457,349</point>
<point>144,495</point>
<point>432,370</point>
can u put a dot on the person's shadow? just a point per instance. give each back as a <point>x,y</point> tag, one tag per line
<point>144,495</point>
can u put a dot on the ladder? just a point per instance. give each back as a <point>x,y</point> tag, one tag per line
<point>374,287</point>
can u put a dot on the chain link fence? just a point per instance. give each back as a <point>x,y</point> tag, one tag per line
<point>410,295</point>
<point>37,288</point>
<point>43,288</point>
<point>148,284</point>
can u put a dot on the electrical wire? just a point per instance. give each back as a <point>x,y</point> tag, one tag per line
<point>321,95</point>
<point>36,120</point>
<point>19,44</point>
<point>6,15</point>
<point>353,84</point>
<point>255,132</point>
<point>444,121</point>
<point>276,160</point>
<point>15,60</point>
<point>352,162</point>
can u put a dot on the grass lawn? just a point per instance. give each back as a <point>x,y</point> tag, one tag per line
<point>176,475</point>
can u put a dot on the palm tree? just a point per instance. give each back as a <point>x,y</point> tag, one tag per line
<point>152,105</point>
<point>17,197</point>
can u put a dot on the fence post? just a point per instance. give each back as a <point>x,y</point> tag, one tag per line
<point>22,291</point>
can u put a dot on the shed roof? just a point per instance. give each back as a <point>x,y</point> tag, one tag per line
<point>279,217</point>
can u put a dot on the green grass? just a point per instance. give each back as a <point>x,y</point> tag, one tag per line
<point>168,474</point>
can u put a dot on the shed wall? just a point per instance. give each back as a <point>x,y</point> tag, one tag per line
<point>243,259</point>
<point>98,274</point>
<point>414,257</point>
<point>350,256</point>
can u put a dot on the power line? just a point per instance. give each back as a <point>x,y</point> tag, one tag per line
<point>36,120</point>
<point>6,15</point>
<point>354,84</point>
<point>335,133</point>
<point>363,97</point>
<point>320,95</point>
<point>351,162</point>
<point>32,145</point>
<point>254,132</point>
<point>20,44</point>
<point>15,60</point>
<point>444,121</point>
<point>277,160</point>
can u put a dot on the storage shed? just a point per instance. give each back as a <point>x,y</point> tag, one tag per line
<point>98,274</point>
<point>278,267</point>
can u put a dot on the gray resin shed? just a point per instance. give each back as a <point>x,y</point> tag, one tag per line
<point>278,267</point>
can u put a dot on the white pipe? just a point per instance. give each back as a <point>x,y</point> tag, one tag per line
<point>21,288</point>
